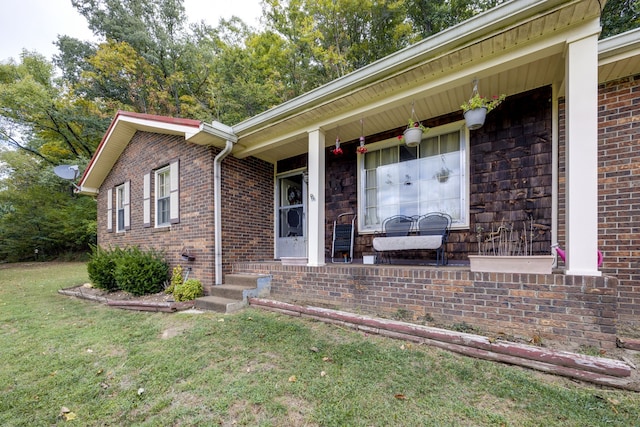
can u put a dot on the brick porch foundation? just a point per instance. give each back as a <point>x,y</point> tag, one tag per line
<point>573,309</point>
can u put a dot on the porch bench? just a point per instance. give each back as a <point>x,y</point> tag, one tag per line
<point>426,232</point>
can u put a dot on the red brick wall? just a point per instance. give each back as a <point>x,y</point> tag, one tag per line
<point>247,204</point>
<point>619,191</point>
<point>247,210</point>
<point>574,309</point>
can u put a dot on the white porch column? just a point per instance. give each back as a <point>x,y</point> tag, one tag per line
<point>315,204</point>
<point>582,156</point>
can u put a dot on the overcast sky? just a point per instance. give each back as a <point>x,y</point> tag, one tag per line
<point>36,24</point>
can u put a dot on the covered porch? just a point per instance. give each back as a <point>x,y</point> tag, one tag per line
<point>515,48</point>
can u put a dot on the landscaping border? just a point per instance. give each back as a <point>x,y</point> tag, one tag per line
<point>597,370</point>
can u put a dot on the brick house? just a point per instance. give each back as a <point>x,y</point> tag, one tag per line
<point>560,150</point>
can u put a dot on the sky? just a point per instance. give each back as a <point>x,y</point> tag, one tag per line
<point>36,24</point>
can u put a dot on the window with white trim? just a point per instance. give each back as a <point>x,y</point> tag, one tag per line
<point>120,208</point>
<point>163,194</point>
<point>398,180</point>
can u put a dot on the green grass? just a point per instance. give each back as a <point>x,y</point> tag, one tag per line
<point>113,367</point>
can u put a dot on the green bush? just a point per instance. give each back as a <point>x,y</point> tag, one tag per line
<point>189,290</point>
<point>141,273</point>
<point>101,266</point>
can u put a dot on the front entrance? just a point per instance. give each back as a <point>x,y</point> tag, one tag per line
<point>291,224</point>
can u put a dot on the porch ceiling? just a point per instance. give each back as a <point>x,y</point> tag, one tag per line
<point>510,49</point>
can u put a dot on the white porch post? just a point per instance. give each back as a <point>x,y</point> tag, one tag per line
<point>315,205</point>
<point>582,156</point>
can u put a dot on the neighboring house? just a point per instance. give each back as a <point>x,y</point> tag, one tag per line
<point>560,150</point>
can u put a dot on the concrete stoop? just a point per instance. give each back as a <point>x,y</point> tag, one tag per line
<point>234,293</point>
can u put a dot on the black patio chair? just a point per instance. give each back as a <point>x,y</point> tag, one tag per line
<point>436,224</point>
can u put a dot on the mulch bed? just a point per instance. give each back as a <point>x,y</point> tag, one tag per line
<point>120,299</point>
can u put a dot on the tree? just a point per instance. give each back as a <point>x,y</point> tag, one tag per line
<point>39,115</point>
<point>148,40</point>
<point>619,16</point>
<point>39,212</point>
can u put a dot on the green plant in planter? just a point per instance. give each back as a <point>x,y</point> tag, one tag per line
<point>189,290</point>
<point>415,124</point>
<point>477,101</point>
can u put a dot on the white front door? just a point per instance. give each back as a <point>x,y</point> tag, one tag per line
<point>291,224</point>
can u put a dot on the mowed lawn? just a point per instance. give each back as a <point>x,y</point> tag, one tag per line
<point>67,361</point>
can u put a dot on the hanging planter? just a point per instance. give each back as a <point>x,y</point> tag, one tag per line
<point>443,174</point>
<point>474,118</point>
<point>361,148</point>
<point>412,136</point>
<point>476,108</point>
<point>413,133</point>
<point>337,151</point>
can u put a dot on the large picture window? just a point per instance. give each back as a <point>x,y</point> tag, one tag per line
<point>400,180</point>
<point>163,193</point>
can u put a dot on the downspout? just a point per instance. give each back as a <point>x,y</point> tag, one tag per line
<point>217,208</point>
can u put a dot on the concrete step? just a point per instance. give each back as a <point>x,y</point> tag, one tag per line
<point>219,304</point>
<point>230,291</point>
<point>243,279</point>
<point>232,296</point>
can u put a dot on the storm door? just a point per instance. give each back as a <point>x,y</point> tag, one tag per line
<point>291,224</point>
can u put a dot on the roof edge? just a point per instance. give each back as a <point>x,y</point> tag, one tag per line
<point>484,23</point>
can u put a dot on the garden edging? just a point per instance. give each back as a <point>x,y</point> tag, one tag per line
<point>597,370</point>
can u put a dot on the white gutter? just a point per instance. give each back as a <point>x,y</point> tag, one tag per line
<point>620,44</point>
<point>217,208</point>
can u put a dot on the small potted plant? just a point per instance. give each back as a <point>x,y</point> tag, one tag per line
<point>413,133</point>
<point>477,107</point>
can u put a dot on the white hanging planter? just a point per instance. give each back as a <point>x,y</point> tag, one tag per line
<point>475,118</point>
<point>412,136</point>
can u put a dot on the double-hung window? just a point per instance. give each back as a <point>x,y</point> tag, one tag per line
<point>162,196</point>
<point>399,180</point>
<point>163,193</point>
<point>120,199</point>
<point>122,207</point>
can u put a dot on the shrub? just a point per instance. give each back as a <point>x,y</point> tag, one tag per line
<point>176,279</point>
<point>101,266</point>
<point>141,272</point>
<point>189,290</point>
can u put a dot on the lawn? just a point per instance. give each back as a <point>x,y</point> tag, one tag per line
<point>107,366</point>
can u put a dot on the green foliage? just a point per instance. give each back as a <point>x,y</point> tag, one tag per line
<point>140,273</point>
<point>131,269</point>
<point>176,279</point>
<point>477,101</point>
<point>619,16</point>
<point>101,267</point>
<point>187,291</point>
<point>38,212</point>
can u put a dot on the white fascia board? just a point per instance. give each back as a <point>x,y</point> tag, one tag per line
<point>159,127</point>
<point>219,130</point>
<point>619,46</point>
<point>494,19</point>
<point>87,191</point>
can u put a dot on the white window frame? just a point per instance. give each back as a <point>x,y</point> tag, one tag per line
<point>120,208</point>
<point>167,196</point>
<point>463,221</point>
